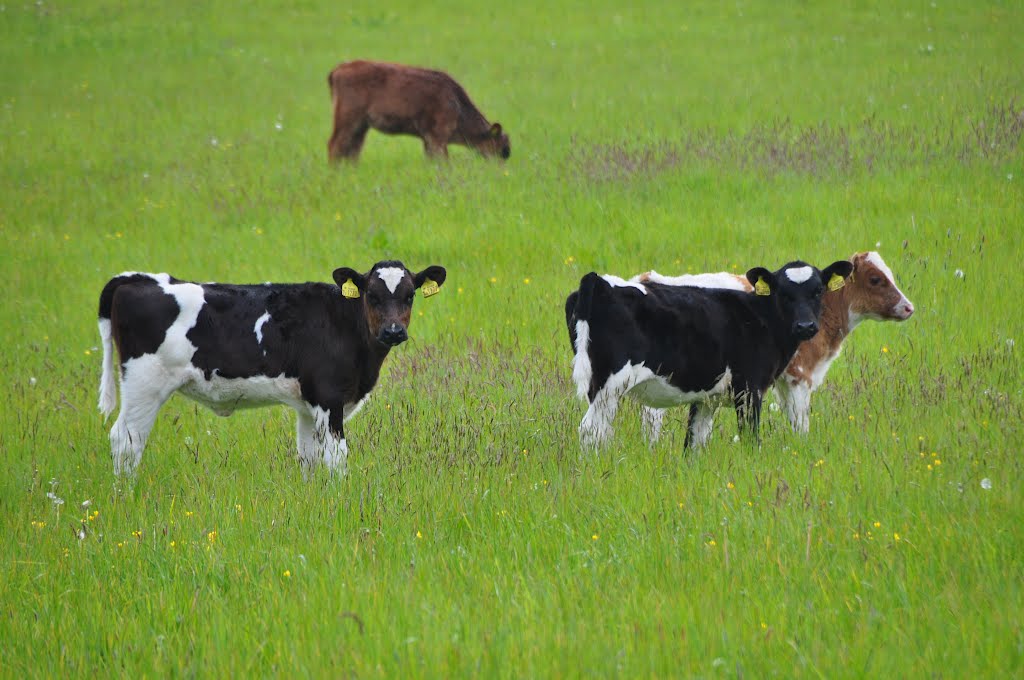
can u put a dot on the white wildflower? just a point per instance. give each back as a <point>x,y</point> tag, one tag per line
<point>959,273</point>
<point>986,483</point>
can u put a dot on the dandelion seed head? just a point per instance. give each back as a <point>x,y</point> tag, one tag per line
<point>986,483</point>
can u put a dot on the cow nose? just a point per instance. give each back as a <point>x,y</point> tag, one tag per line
<point>805,330</point>
<point>506,152</point>
<point>907,310</point>
<point>393,335</point>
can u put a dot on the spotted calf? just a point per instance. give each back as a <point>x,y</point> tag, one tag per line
<point>315,347</point>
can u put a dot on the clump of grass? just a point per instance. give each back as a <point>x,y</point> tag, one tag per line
<point>824,149</point>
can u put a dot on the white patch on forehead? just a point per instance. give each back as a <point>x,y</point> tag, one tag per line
<point>391,276</point>
<point>619,282</point>
<point>876,259</point>
<point>799,274</point>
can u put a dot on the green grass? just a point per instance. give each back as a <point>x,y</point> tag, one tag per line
<point>471,538</point>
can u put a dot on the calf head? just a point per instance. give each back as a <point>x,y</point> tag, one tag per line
<point>796,291</point>
<point>386,294</point>
<point>494,143</point>
<point>873,293</point>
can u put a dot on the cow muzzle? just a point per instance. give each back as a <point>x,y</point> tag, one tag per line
<point>805,330</point>
<point>392,335</point>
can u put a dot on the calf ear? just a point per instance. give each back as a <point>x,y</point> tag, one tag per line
<point>496,130</point>
<point>352,282</point>
<point>840,269</point>
<point>762,280</point>
<point>434,273</point>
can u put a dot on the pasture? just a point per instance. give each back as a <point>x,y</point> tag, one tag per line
<point>471,537</point>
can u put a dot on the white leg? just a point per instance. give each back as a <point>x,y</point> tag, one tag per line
<point>336,455</point>
<point>318,443</point>
<point>308,450</point>
<point>702,423</point>
<point>795,399</point>
<point>141,400</point>
<point>650,421</point>
<point>596,426</point>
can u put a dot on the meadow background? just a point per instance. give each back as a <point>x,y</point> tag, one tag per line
<point>470,537</point>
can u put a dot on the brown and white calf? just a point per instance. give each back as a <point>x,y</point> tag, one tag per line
<point>870,293</point>
<point>315,347</point>
<point>406,100</point>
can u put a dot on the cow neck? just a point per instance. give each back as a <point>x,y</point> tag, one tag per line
<point>834,325</point>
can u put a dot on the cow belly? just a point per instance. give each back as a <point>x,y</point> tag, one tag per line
<point>657,392</point>
<point>226,395</point>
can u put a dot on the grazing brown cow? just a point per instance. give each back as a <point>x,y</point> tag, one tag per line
<point>405,100</point>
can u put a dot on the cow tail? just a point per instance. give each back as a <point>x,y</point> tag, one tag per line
<point>108,388</point>
<point>579,333</point>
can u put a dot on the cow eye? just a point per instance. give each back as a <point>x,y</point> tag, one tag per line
<point>409,299</point>
<point>373,299</point>
<point>875,280</point>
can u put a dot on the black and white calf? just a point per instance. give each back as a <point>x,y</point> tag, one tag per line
<point>316,347</point>
<point>667,345</point>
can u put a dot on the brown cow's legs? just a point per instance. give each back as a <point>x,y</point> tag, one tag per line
<point>346,142</point>
<point>435,148</point>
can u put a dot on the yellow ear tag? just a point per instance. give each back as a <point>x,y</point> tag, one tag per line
<point>761,287</point>
<point>430,287</point>
<point>836,282</point>
<point>350,290</point>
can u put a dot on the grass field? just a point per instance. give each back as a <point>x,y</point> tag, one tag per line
<point>471,537</point>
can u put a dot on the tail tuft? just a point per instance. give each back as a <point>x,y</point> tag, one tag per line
<point>582,371</point>
<point>108,389</point>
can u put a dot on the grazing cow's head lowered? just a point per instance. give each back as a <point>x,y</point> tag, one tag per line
<point>495,143</point>
<point>386,293</point>
<point>797,289</point>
